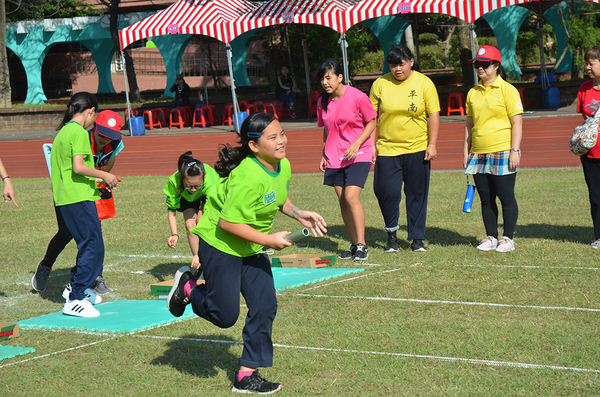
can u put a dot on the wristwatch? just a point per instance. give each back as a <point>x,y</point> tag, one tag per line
<point>516,149</point>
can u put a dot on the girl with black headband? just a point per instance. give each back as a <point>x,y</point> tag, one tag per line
<point>186,192</point>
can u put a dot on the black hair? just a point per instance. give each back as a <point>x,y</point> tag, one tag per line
<point>231,157</point>
<point>78,103</point>
<point>189,166</point>
<point>400,54</point>
<point>501,72</point>
<point>333,66</point>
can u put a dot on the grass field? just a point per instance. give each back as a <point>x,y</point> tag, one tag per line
<point>452,321</point>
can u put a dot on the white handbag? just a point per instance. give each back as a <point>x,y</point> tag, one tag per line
<point>585,136</point>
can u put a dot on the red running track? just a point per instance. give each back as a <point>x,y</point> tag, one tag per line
<point>545,144</point>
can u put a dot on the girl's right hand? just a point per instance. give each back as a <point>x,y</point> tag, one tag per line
<point>323,164</point>
<point>110,181</point>
<point>465,161</point>
<point>172,241</point>
<point>278,242</point>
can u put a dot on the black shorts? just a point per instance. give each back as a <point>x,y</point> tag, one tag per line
<point>196,204</point>
<point>353,175</point>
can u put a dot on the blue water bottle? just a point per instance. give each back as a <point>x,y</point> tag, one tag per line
<point>469,197</point>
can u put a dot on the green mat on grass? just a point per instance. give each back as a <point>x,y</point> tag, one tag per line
<point>14,351</point>
<point>292,277</point>
<point>115,316</point>
<point>137,315</point>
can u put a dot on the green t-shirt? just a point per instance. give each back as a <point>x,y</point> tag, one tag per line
<point>173,186</point>
<point>69,187</point>
<point>251,195</point>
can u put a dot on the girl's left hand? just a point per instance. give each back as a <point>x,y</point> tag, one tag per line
<point>351,151</point>
<point>430,153</point>
<point>313,221</point>
<point>514,159</point>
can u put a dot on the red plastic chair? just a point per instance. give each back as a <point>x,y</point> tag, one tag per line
<point>455,103</point>
<point>211,114</point>
<point>151,119</point>
<point>200,119</point>
<point>312,103</point>
<point>251,108</point>
<point>273,106</point>
<point>228,114</point>
<point>285,110</point>
<point>135,112</point>
<point>524,99</point>
<point>162,115</point>
<point>177,118</point>
<point>260,103</point>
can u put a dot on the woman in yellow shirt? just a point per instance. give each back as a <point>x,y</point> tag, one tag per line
<point>408,109</point>
<point>492,148</point>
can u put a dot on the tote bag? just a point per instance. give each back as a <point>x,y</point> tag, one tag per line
<point>585,136</point>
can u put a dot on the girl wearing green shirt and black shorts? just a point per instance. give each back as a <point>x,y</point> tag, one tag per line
<point>232,232</point>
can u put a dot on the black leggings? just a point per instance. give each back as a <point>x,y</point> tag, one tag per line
<point>490,187</point>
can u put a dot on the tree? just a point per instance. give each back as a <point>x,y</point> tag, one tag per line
<point>5,90</point>
<point>17,10</point>
<point>581,27</point>
<point>112,7</point>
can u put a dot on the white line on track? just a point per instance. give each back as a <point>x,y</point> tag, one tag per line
<point>419,356</point>
<point>355,278</point>
<point>380,298</point>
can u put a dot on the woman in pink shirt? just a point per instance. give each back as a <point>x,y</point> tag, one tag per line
<point>349,122</point>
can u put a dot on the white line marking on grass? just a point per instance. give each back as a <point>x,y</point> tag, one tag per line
<point>353,278</point>
<point>156,256</point>
<point>380,298</point>
<point>58,352</point>
<point>534,267</point>
<point>421,356</point>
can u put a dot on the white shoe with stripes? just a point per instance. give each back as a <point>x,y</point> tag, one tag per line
<point>90,295</point>
<point>80,308</point>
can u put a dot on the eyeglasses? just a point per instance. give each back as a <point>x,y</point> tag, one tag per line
<point>483,65</point>
<point>193,187</point>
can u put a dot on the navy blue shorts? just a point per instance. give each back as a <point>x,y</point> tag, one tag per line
<point>353,175</point>
<point>184,204</point>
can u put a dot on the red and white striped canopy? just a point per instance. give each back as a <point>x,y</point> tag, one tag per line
<point>468,11</point>
<point>204,17</point>
<point>318,12</point>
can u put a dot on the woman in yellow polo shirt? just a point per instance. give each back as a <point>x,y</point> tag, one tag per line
<point>492,148</point>
<point>406,143</point>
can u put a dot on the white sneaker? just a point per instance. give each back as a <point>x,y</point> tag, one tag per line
<point>80,308</point>
<point>488,244</point>
<point>505,245</point>
<point>596,244</point>
<point>90,295</point>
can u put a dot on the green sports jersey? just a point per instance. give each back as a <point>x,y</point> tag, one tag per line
<point>251,195</point>
<point>174,192</point>
<point>69,187</point>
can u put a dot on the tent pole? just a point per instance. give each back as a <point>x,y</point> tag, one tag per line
<point>306,71</point>
<point>345,57</point>
<point>236,110</point>
<point>473,50</point>
<point>126,93</point>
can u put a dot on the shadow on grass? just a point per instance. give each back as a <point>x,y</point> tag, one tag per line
<point>200,355</point>
<point>377,238</point>
<point>166,271</point>
<point>575,234</point>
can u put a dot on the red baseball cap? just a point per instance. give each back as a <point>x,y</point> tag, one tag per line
<point>487,53</point>
<point>108,124</point>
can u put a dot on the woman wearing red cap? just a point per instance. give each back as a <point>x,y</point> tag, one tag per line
<point>588,102</point>
<point>106,144</point>
<point>492,148</point>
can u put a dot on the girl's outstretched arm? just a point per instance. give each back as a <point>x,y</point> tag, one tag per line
<point>248,233</point>
<point>310,219</point>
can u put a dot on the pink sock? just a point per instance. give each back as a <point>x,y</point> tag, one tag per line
<point>187,288</point>
<point>242,374</point>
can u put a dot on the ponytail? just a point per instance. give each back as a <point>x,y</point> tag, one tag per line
<point>78,103</point>
<point>252,128</point>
